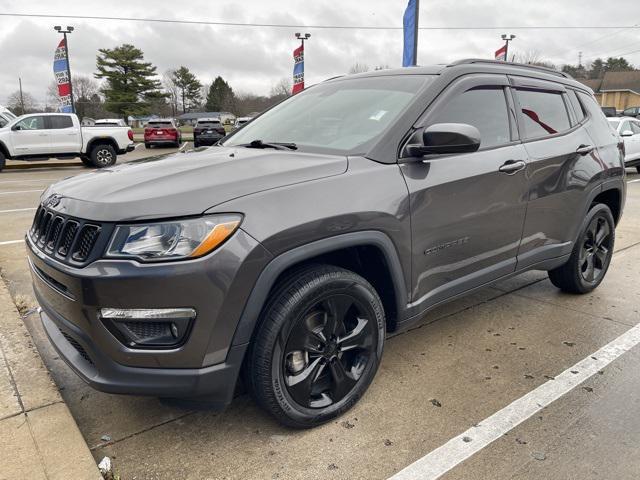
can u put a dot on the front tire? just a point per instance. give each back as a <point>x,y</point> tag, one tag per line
<point>638,169</point>
<point>3,160</point>
<point>103,156</point>
<point>591,254</point>
<point>318,346</point>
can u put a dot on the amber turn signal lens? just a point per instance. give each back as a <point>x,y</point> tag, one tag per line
<point>219,234</point>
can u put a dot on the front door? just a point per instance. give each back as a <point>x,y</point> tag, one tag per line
<point>29,136</point>
<point>467,212</point>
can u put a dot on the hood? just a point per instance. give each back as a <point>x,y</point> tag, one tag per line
<point>186,183</point>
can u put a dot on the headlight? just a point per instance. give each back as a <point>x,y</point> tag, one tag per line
<point>173,240</point>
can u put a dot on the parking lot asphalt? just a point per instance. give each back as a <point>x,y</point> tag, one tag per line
<point>468,360</point>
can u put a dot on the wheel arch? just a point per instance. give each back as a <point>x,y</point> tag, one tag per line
<point>336,251</point>
<point>611,196</point>
<point>101,141</point>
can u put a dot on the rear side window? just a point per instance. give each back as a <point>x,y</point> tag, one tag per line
<point>485,109</point>
<point>544,113</point>
<point>60,121</point>
<point>577,106</point>
<point>626,126</point>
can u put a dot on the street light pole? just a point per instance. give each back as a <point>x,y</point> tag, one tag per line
<point>507,39</point>
<point>69,29</point>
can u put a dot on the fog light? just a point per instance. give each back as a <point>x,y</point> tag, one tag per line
<point>149,328</point>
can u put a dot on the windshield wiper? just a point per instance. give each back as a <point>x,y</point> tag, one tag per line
<point>276,145</point>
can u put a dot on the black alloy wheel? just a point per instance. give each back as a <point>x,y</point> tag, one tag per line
<point>596,249</point>
<point>317,347</point>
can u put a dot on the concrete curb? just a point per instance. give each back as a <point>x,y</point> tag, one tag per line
<point>39,439</point>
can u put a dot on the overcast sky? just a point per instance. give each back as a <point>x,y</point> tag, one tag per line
<point>254,59</point>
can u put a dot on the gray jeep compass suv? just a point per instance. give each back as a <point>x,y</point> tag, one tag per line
<point>287,253</point>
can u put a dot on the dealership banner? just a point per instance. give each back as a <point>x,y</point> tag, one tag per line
<point>410,33</point>
<point>61,71</point>
<point>298,69</point>
<point>501,53</point>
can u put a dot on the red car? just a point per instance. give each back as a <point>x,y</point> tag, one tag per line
<point>162,132</point>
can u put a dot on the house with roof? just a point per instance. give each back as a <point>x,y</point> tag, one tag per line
<point>616,89</point>
<point>192,117</point>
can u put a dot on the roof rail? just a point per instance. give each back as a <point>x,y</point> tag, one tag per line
<point>551,71</point>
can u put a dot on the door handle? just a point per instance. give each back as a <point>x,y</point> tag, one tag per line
<point>512,166</point>
<point>585,149</point>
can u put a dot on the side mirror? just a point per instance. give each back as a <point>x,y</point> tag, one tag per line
<point>16,127</point>
<point>627,133</point>
<point>443,138</point>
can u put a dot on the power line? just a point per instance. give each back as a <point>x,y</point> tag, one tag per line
<point>335,27</point>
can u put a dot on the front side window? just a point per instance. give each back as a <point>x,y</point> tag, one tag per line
<point>342,116</point>
<point>31,123</point>
<point>544,113</point>
<point>57,122</point>
<point>483,108</point>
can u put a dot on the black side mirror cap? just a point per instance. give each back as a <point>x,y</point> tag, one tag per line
<point>442,138</point>
<point>16,127</point>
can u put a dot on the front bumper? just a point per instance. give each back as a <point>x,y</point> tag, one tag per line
<point>206,364</point>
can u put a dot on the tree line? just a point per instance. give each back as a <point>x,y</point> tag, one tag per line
<point>125,84</point>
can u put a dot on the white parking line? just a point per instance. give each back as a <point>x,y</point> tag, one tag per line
<point>31,180</point>
<point>184,145</point>
<point>20,191</point>
<point>139,145</point>
<point>18,210</point>
<point>458,449</point>
<point>11,242</point>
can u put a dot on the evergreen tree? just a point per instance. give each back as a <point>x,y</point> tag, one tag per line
<point>188,88</point>
<point>220,97</point>
<point>129,80</point>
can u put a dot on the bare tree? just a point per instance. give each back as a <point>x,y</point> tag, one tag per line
<point>358,68</point>
<point>170,87</point>
<point>16,104</point>
<point>282,88</point>
<point>532,57</point>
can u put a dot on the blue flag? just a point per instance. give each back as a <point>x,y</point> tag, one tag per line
<point>410,23</point>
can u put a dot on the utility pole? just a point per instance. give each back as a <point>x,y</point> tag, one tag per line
<point>21,98</point>
<point>507,39</point>
<point>69,29</point>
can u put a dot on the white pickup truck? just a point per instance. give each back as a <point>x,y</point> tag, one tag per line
<point>41,136</point>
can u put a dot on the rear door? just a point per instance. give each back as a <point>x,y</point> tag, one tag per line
<point>563,165</point>
<point>29,136</point>
<point>64,136</point>
<point>634,140</point>
<point>467,214</point>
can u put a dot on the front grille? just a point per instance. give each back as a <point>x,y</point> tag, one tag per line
<point>68,239</point>
<point>83,353</point>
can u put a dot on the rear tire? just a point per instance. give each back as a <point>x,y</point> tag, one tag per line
<point>3,161</point>
<point>318,346</point>
<point>591,254</point>
<point>147,145</point>
<point>103,155</point>
<point>638,169</point>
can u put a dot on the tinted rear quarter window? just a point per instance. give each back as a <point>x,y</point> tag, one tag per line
<point>544,113</point>
<point>57,122</point>
<point>485,109</point>
<point>578,109</point>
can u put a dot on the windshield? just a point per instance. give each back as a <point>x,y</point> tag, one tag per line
<point>342,116</point>
<point>208,124</point>
<point>159,125</point>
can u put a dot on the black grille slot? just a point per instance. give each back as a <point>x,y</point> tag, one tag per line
<point>68,235</point>
<point>36,222</point>
<point>54,233</point>
<point>83,353</point>
<point>45,224</point>
<point>85,242</point>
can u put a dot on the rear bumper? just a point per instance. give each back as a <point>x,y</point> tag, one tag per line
<point>102,373</point>
<point>207,139</point>
<point>162,141</point>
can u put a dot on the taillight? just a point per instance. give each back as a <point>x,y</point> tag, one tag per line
<point>130,134</point>
<point>221,130</point>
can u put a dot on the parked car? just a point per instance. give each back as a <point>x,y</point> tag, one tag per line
<point>289,251</point>
<point>240,121</point>
<point>162,132</point>
<point>629,129</point>
<point>609,111</point>
<point>111,122</point>
<point>207,131</point>
<point>631,112</point>
<point>6,116</point>
<point>41,136</point>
